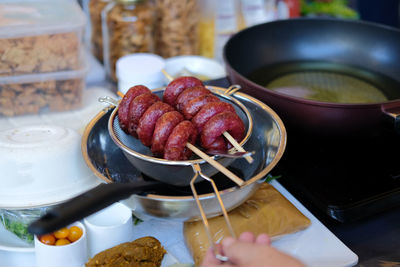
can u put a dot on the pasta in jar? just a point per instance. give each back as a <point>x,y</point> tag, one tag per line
<point>95,8</point>
<point>176,27</point>
<point>127,28</point>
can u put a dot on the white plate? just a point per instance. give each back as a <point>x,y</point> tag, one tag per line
<point>10,242</point>
<point>194,65</point>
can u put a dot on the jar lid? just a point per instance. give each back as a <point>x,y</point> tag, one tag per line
<point>140,68</point>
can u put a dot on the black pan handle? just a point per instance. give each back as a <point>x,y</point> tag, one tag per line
<point>392,110</point>
<point>86,204</point>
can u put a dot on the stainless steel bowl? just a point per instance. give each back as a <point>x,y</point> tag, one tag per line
<point>180,172</point>
<point>109,163</point>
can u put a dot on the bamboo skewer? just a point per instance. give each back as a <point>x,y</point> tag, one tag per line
<point>166,74</point>
<point>227,135</point>
<point>236,145</point>
<point>215,164</point>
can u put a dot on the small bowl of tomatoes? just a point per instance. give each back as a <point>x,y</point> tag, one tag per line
<point>64,247</point>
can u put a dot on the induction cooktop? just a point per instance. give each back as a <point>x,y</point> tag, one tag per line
<point>346,179</point>
<point>341,179</point>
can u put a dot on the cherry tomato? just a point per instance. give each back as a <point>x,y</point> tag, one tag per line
<point>48,239</point>
<point>62,233</point>
<point>74,233</point>
<point>62,242</point>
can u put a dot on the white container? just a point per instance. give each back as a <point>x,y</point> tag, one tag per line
<point>41,165</point>
<point>198,66</point>
<point>40,36</point>
<point>71,255</point>
<point>140,68</point>
<point>108,228</point>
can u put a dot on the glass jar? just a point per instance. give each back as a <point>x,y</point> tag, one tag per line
<point>96,38</point>
<point>128,28</point>
<point>176,29</point>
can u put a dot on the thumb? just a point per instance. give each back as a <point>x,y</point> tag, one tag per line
<point>239,252</point>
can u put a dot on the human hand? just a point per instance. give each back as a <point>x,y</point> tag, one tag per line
<point>250,251</point>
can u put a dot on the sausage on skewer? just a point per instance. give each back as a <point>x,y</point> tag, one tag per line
<point>148,121</point>
<point>194,105</point>
<point>177,86</point>
<point>123,109</point>
<point>188,94</point>
<point>220,123</point>
<point>137,108</point>
<point>189,104</point>
<point>164,126</point>
<point>175,147</point>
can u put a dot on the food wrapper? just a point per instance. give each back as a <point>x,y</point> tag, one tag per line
<point>267,211</point>
<point>17,221</point>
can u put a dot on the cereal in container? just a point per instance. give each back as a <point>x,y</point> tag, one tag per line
<point>176,27</point>
<point>42,60</point>
<point>40,36</point>
<point>127,29</point>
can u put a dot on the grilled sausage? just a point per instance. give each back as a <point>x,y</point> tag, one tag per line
<point>149,119</point>
<point>164,126</point>
<point>123,108</point>
<point>175,147</point>
<point>194,105</point>
<point>208,111</point>
<point>188,94</point>
<point>176,87</point>
<point>218,124</point>
<point>137,108</point>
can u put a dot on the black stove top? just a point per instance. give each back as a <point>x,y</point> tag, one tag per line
<point>346,179</point>
<point>341,180</point>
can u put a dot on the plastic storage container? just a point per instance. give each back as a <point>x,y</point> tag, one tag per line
<point>42,60</point>
<point>40,36</point>
<point>42,92</point>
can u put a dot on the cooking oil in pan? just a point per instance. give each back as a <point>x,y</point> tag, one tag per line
<point>327,82</point>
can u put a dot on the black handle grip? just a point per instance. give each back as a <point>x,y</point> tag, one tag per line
<point>86,204</point>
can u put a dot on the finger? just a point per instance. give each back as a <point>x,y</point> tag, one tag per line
<point>238,252</point>
<point>247,237</point>
<point>209,259</point>
<point>263,239</point>
<point>227,242</point>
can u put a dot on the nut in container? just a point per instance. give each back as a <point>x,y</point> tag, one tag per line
<point>127,28</point>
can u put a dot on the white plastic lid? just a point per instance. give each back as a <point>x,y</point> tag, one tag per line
<point>34,17</point>
<point>140,68</point>
<point>41,165</point>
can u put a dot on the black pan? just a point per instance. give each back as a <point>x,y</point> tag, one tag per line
<point>367,53</point>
